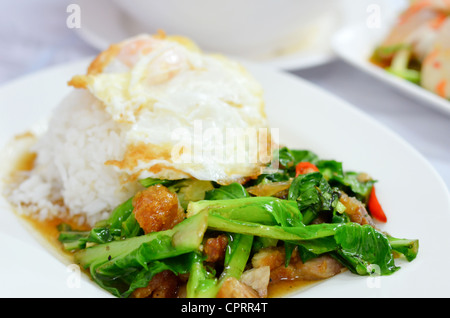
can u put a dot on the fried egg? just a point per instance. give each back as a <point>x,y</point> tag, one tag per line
<point>187,114</point>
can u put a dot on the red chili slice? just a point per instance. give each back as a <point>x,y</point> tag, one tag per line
<point>375,208</point>
<point>304,168</point>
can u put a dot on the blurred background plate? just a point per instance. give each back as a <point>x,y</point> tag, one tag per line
<point>355,44</point>
<point>104,23</point>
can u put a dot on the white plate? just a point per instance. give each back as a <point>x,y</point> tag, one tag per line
<point>103,23</point>
<point>414,196</point>
<point>355,44</point>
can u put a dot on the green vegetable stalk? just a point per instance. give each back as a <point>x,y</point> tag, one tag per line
<point>116,261</point>
<point>262,210</point>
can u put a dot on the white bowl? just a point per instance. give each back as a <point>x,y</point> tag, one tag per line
<point>248,28</point>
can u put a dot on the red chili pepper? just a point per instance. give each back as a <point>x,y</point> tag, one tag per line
<point>375,208</point>
<point>304,168</point>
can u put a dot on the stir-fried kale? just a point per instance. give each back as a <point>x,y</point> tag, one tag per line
<point>119,263</point>
<point>121,258</point>
<point>227,192</point>
<point>313,195</point>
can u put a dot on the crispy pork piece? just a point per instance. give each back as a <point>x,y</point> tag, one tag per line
<point>258,279</point>
<point>233,288</point>
<point>215,248</point>
<point>162,285</point>
<point>157,209</point>
<point>315,269</point>
<point>272,257</point>
<point>356,210</point>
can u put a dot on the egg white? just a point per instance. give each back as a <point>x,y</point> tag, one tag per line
<point>187,113</point>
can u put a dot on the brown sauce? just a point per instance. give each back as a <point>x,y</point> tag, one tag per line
<point>287,287</point>
<point>48,229</point>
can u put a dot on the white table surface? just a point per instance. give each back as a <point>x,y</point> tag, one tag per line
<point>34,35</point>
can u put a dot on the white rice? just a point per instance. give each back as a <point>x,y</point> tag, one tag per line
<point>70,167</point>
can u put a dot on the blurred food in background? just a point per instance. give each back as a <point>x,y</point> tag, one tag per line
<point>418,46</point>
